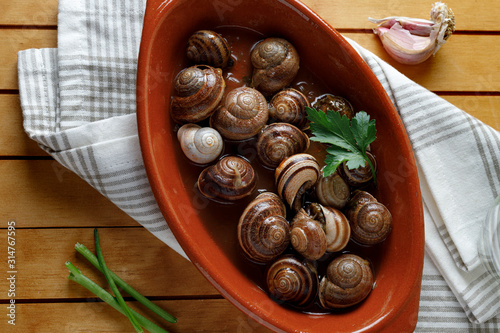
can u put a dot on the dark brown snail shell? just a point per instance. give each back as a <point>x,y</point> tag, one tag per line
<point>231,178</point>
<point>276,63</point>
<point>243,113</point>
<point>294,176</point>
<point>333,191</point>
<point>334,103</point>
<point>348,281</point>
<point>288,106</point>
<point>360,176</point>
<point>278,141</point>
<point>263,231</point>
<point>209,48</point>
<point>292,281</point>
<point>198,91</point>
<point>371,221</point>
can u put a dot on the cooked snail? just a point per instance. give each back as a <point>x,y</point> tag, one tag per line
<point>334,103</point>
<point>294,176</point>
<point>276,63</point>
<point>278,141</point>
<point>263,231</point>
<point>209,48</point>
<point>292,281</point>
<point>200,145</point>
<point>360,176</point>
<point>288,106</point>
<point>244,112</point>
<point>231,178</point>
<point>348,281</point>
<point>332,191</point>
<point>317,229</point>
<point>198,91</point>
<point>371,221</point>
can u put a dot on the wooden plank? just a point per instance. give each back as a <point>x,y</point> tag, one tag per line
<point>45,194</point>
<point>134,254</point>
<point>208,316</point>
<point>470,15</point>
<point>14,40</point>
<point>484,108</point>
<point>14,141</point>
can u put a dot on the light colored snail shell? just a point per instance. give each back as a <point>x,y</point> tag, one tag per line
<point>209,48</point>
<point>263,231</point>
<point>332,191</point>
<point>335,103</point>
<point>288,106</point>
<point>294,176</point>
<point>307,236</point>
<point>200,144</point>
<point>243,113</point>
<point>278,141</point>
<point>276,63</point>
<point>360,176</point>
<point>371,221</point>
<point>231,178</point>
<point>198,91</point>
<point>348,281</point>
<point>292,281</point>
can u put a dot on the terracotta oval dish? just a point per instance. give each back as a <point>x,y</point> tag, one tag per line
<point>206,230</point>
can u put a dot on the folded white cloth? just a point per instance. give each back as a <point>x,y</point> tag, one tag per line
<point>78,103</point>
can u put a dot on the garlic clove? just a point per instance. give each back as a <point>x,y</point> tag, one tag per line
<point>412,41</point>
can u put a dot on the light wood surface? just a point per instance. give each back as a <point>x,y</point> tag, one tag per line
<point>53,208</point>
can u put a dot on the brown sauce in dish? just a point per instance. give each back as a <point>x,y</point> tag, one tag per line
<point>221,219</point>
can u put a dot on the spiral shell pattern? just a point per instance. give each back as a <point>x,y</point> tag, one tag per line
<point>294,176</point>
<point>360,176</point>
<point>307,236</point>
<point>231,178</point>
<point>334,103</point>
<point>370,221</point>
<point>199,90</point>
<point>209,48</point>
<point>276,63</point>
<point>333,191</point>
<point>292,281</point>
<point>337,229</point>
<point>243,114</point>
<point>278,141</point>
<point>348,281</point>
<point>201,145</point>
<point>288,106</point>
<point>263,231</point>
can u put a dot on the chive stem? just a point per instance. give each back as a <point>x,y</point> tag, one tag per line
<point>76,276</point>
<point>85,252</point>
<point>112,285</point>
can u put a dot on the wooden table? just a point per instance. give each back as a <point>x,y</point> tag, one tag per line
<point>53,208</point>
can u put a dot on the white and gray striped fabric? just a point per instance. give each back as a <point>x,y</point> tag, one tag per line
<point>78,103</point>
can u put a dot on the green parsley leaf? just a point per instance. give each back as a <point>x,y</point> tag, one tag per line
<point>348,139</point>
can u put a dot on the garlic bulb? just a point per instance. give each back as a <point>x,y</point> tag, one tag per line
<point>412,41</point>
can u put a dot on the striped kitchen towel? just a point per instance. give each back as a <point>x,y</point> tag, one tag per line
<point>78,103</point>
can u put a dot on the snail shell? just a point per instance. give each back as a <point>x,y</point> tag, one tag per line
<point>294,176</point>
<point>307,236</point>
<point>371,221</point>
<point>359,176</point>
<point>348,281</point>
<point>243,114</point>
<point>263,231</point>
<point>276,63</point>
<point>333,191</point>
<point>288,106</point>
<point>231,178</point>
<point>209,48</point>
<point>200,145</point>
<point>334,103</point>
<point>292,281</point>
<point>198,91</point>
<point>278,141</point>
